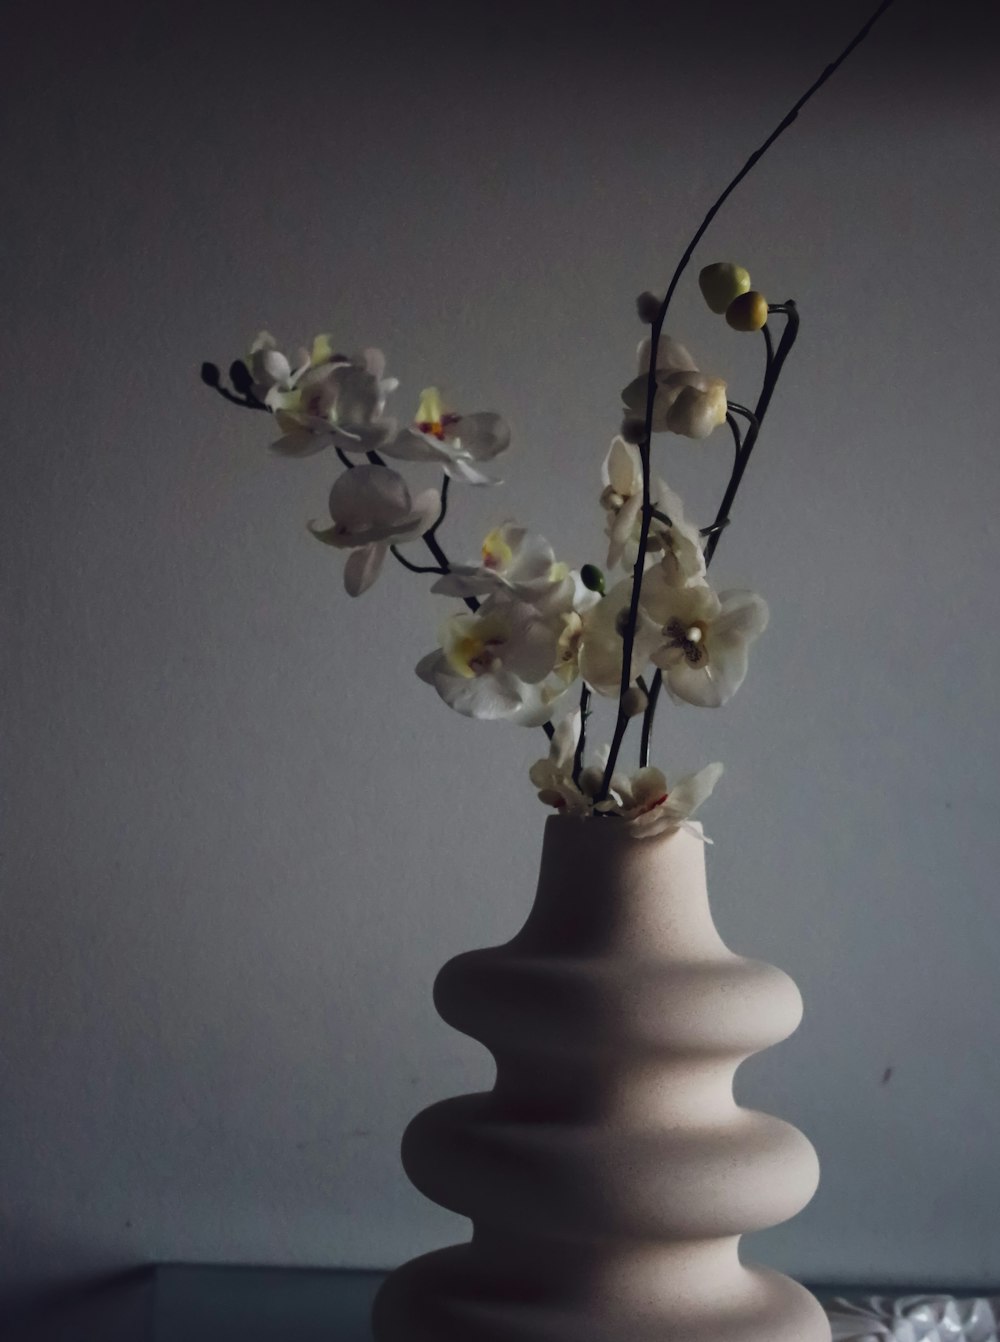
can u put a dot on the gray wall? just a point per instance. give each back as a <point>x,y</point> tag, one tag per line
<point>240,835</point>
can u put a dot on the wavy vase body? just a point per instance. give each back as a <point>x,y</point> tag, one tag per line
<point>609,1173</point>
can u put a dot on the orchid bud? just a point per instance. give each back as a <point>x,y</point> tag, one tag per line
<point>633,429</point>
<point>722,282</point>
<point>591,779</point>
<point>634,702</point>
<point>240,376</point>
<point>210,374</point>
<point>648,307</point>
<point>748,312</point>
<point>592,578</point>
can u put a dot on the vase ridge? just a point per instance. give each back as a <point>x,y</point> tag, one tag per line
<point>610,1173</point>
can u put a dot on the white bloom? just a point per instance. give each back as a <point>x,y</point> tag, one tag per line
<point>372,509</point>
<point>687,402</point>
<point>602,647</point>
<point>454,442</point>
<point>680,543</point>
<point>498,662</point>
<point>650,807</point>
<point>553,777</point>
<point>336,402</point>
<point>273,372</point>
<point>705,638</point>
<point>643,802</point>
<point>520,562</point>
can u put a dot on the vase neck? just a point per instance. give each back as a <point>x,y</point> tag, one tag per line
<point>601,891</point>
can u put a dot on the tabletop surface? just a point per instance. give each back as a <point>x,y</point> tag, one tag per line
<point>192,1303</point>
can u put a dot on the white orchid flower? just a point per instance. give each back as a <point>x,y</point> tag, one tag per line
<point>520,562</point>
<point>601,644</point>
<point>553,776</point>
<point>273,372</point>
<point>337,402</point>
<point>687,401</point>
<point>621,498</point>
<point>705,639</point>
<point>649,807</point>
<point>497,663</point>
<point>454,442</point>
<point>680,543</point>
<point>372,509</point>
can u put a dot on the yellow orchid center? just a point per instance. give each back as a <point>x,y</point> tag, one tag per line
<point>497,554</point>
<point>324,351</point>
<point>472,644</point>
<point>432,418</point>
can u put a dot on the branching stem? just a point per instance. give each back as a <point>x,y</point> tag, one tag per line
<point>774,368</point>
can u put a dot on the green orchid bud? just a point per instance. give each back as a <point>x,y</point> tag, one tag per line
<point>722,282</point>
<point>592,578</point>
<point>748,312</point>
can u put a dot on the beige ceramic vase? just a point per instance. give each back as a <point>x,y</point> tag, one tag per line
<point>609,1173</point>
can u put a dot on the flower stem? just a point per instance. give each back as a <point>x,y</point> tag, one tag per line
<point>628,639</point>
<point>647,718</point>
<point>744,446</point>
<point>582,738</point>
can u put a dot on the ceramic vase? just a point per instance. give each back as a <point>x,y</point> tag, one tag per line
<point>609,1173</point>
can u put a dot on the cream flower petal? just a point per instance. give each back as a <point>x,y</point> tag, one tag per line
<point>483,435</point>
<point>622,468</point>
<point>369,496</point>
<point>363,567</point>
<point>743,615</point>
<point>621,528</point>
<point>678,806</point>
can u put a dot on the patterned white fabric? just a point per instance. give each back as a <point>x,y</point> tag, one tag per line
<point>915,1318</point>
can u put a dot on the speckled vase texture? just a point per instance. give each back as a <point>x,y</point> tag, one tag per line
<point>609,1174</point>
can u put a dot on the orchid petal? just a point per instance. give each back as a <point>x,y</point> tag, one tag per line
<point>363,567</point>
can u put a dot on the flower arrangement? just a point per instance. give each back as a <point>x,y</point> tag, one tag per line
<point>536,638</point>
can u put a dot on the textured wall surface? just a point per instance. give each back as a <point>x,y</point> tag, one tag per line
<point>239,835</point>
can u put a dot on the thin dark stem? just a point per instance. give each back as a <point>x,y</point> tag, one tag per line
<point>755,418</point>
<point>443,509</point>
<point>647,718</point>
<point>737,409</point>
<point>788,338</point>
<point>244,402</point>
<point>769,346</point>
<point>582,738</point>
<point>737,433</point>
<point>628,640</point>
<point>416,568</point>
<point>716,526</point>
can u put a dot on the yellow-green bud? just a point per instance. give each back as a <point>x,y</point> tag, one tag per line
<point>721,282</point>
<point>592,578</point>
<point>634,702</point>
<point>748,312</point>
<point>648,307</point>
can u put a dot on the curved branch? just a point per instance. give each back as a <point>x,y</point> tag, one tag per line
<point>628,641</point>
